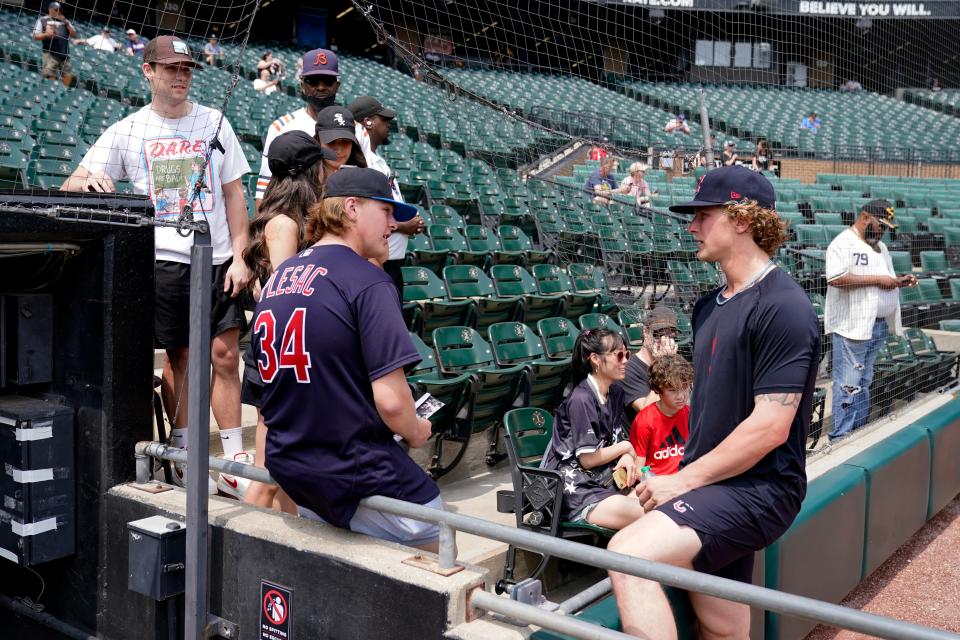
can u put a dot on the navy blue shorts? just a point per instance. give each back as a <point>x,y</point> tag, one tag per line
<point>732,526</point>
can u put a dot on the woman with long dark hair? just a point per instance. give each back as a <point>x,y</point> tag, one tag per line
<point>590,439</point>
<point>278,232</point>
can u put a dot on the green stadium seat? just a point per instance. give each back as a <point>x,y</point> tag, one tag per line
<point>516,281</point>
<point>559,336</point>
<point>420,252</point>
<point>496,389</point>
<point>515,343</point>
<point>812,235</point>
<point>552,281</point>
<point>452,422</point>
<point>527,434</point>
<point>435,309</point>
<point>515,242</point>
<point>467,282</point>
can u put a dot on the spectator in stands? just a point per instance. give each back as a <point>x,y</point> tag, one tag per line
<point>319,83</point>
<point>729,155</point>
<point>677,125</point>
<point>762,158</point>
<point>659,340</point>
<point>335,131</point>
<point>935,85</point>
<point>332,411</point>
<point>135,43</point>
<point>601,182</point>
<point>811,123</point>
<point>598,152</point>
<point>213,52</point>
<point>660,431</point>
<point>742,478</point>
<point>264,84</point>
<point>278,232</point>
<point>164,146</point>
<point>635,185</point>
<point>54,32</point>
<point>862,306</point>
<point>373,131</point>
<point>852,86</point>
<point>589,441</point>
<point>100,42</point>
<point>271,64</point>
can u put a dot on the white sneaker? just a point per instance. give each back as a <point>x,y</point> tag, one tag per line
<point>233,486</point>
<point>180,478</point>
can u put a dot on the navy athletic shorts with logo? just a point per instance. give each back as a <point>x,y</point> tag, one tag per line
<point>732,523</point>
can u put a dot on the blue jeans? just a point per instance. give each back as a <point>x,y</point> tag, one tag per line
<point>852,377</point>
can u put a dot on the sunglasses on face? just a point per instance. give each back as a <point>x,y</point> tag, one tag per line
<point>664,333</point>
<point>314,81</point>
<point>622,355</point>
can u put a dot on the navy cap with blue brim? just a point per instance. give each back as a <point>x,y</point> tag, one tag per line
<point>367,183</point>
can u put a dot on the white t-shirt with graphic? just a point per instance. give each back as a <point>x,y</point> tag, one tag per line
<point>299,120</point>
<point>398,241</point>
<point>162,158</point>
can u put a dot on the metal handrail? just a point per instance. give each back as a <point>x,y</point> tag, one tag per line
<point>762,597</point>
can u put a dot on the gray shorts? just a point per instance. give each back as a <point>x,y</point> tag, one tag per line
<point>389,527</point>
<point>54,67</point>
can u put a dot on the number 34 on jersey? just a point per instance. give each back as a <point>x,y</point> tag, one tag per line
<point>292,353</point>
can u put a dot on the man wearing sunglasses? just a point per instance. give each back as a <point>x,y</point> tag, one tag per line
<point>659,339</point>
<point>319,83</point>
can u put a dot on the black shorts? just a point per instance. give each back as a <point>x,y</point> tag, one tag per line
<point>732,527</point>
<point>251,389</point>
<point>392,269</point>
<point>172,312</point>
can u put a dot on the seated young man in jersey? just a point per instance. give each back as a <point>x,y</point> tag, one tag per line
<point>659,432</point>
<point>331,346</point>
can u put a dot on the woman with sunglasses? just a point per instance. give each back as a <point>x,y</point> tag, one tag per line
<point>589,441</point>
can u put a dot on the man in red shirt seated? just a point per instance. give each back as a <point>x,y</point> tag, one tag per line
<point>659,432</point>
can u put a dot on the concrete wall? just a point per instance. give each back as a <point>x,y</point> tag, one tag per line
<point>345,586</point>
<point>807,170</point>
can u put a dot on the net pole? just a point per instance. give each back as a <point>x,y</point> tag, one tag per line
<point>705,126</point>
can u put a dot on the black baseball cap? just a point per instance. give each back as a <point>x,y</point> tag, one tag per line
<point>367,183</point>
<point>294,152</point>
<point>730,184</point>
<point>336,123</point>
<point>366,106</point>
<point>882,210</point>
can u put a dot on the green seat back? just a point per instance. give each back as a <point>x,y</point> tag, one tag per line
<point>509,280</point>
<point>933,261</point>
<point>559,336</point>
<point>514,342</point>
<point>901,262</point>
<point>929,290</point>
<point>530,430</point>
<point>550,279</point>
<point>466,281</point>
<point>514,239</point>
<point>422,284</point>
<point>461,349</point>
<point>446,238</point>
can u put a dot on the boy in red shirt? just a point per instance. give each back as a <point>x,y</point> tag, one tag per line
<point>659,432</point>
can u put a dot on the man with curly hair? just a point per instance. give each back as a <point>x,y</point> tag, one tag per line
<point>742,478</point>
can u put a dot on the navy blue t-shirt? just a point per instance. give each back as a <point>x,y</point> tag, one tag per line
<point>328,323</point>
<point>765,340</point>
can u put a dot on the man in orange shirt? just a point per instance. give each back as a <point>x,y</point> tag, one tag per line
<point>659,432</point>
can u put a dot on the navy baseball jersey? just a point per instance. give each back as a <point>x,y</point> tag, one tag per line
<point>328,323</point>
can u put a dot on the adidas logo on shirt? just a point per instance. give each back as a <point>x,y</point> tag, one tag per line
<point>671,447</point>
